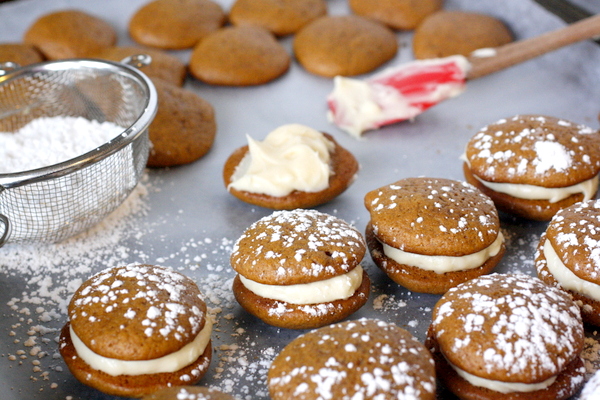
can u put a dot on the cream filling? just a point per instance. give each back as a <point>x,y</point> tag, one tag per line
<point>292,157</point>
<point>169,363</point>
<point>566,277</point>
<point>443,264</point>
<point>332,289</point>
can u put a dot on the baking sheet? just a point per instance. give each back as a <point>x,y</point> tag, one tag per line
<point>184,218</point>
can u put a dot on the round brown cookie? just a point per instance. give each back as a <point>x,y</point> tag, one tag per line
<point>188,393</point>
<point>70,34</point>
<point>19,53</point>
<point>573,235</point>
<point>184,128</point>
<point>397,14</point>
<point>281,17</point>
<point>135,313</point>
<point>533,150</point>
<point>507,329</point>
<point>239,56</point>
<point>343,164</point>
<point>163,66</point>
<point>344,45</point>
<point>175,24</point>
<point>362,359</point>
<point>446,33</point>
<point>298,247</point>
<point>432,217</point>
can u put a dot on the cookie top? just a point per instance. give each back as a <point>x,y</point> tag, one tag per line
<point>20,53</point>
<point>433,216</point>
<point>279,17</point>
<point>509,328</point>
<point>137,312</point>
<point>344,45</point>
<point>446,33</point>
<point>574,233</point>
<point>298,246</point>
<point>239,56</point>
<point>175,24</point>
<point>331,363</point>
<point>397,14</point>
<point>70,34</point>
<point>188,393</point>
<point>184,128</point>
<point>164,65</point>
<point>534,150</point>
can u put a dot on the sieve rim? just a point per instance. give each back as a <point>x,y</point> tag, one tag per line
<point>127,136</point>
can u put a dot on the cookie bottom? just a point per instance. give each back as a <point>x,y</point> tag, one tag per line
<point>300,316</point>
<point>130,385</point>
<point>419,280</point>
<point>537,210</point>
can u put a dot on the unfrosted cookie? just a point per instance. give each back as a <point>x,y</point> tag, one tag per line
<point>188,393</point>
<point>300,269</point>
<point>344,45</point>
<point>533,165</point>
<point>431,234</point>
<point>175,24</point>
<point>507,337</point>
<point>19,53</point>
<point>70,34</point>
<point>446,33</point>
<point>239,56</point>
<point>281,17</point>
<point>363,359</point>
<point>128,327</point>
<point>184,128</point>
<point>398,14</point>
<point>164,65</point>
<point>293,167</point>
<point>568,256</point>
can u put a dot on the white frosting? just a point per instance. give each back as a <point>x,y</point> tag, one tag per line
<point>332,289</point>
<point>169,363</point>
<point>443,264</point>
<point>566,277</point>
<point>292,157</point>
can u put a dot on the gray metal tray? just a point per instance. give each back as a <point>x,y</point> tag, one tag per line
<point>184,218</point>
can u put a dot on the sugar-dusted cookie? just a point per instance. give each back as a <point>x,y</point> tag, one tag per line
<point>344,45</point>
<point>175,24</point>
<point>568,256</point>
<point>295,166</point>
<point>362,359</point>
<point>70,34</point>
<point>397,14</point>
<point>188,393</point>
<point>20,53</point>
<point>591,390</point>
<point>431,234</point>
<point>281,17</point>
<point>184,128</point>
<point>534,165</point>
<point>136,329</point>
<point>300,269</point>
<point>507,337</point>
<point>239,56</point>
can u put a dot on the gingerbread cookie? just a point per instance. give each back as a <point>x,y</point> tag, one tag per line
<point>300,269</point>
<point>70,34</point>
<point>363,359</point>
<point>533,165</point>
<point>344,45</point>
<point>175,24</point>
<point>293,167</point>
<point>430,234</point>
<point>507,337</point>
<point>446,33</point>
<point>20,54</point>
<point>184,128</point>
<point>279,17</point>
<point>188,393</point>
<point>136,329</point>
<point>397,14</point>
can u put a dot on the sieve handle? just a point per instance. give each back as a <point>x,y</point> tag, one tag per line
<point>7,67</point>
<point>7,227</point>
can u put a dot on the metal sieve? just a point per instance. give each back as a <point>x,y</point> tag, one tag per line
<point>58,201</point>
